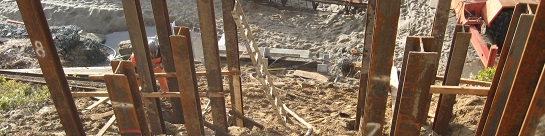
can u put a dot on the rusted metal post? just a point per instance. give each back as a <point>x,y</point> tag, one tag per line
<point>125,113</point>
<point>209,36</point>
<point>440,24</point>
<point>162,23</point>
<point>382,53</point>
<point>519,9</point>
<point>534,117</point>
<point>526,78</point>
<point>137,34</point>
<point>46,53</point>
<point>420,74</point>
<point>185,70</point>
<point>366,59</point>
<point>455,66</point>
<point>232,52</point>
<point>509,71</point>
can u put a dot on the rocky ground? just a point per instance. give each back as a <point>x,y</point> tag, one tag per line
<point>329,106</point>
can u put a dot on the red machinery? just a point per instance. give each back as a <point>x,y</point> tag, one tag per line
<point>490,16</point>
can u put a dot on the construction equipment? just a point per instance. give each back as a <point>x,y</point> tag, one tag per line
<point>490,17</point>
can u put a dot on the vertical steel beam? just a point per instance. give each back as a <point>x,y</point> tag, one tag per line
<point>364,72</point>
<point>46,53</point>
<point>124,109</point>
<point>382,53</point>
<point>420,73</point>
<point>534,117</point>
<point>185,71</point>
<point>508,74</point>
<point>137,34</point>
<point>526,78</point>
<point>455,66</point>
<point>231,46</point>
<point>440,24</point>
<point>209,36</point>
<point>162,23</point>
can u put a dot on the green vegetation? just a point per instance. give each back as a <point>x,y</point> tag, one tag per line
<point>486,74</point>
<point>14,94</point>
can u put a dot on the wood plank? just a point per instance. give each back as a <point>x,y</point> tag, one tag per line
<point>536,110</point>
<point>526,78</point>
<point>467,81</point>
<point>46,53</point>
<point>382,53</point>
<point>453,72</point>
<point>170,75</point>
<point>185,69</point>
<point>366,59</point>
<point>102,115</point>
<point>118,89</point>
<point>137,34</point>
<point>459,90</point>
<point>144,94</point>
<point>209,36</point>
<point>233,64</point>
<point>509,71</point>
<point>100,101</point>
<point>420,74</point>
<point>106,126</point>
<point>162,23</point>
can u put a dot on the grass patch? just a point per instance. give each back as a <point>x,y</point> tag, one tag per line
<point>486,74</point>
<point>14,94</point>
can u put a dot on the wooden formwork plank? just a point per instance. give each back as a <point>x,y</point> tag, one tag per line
<point>46,53</point>
<point>526,78</point>
<point>231,47</point>
<point>415,95</point>
<point>162,23</point>
<point>455,66</point>
<point>413,43</point>
<point>185,69</point>
<point>382,53</point>
<point>137,35</point>
<point>127,68</point>
<point>536,110</point>
<point>366,59</point>
<point>467,81</point>
<point>143,94</point>
<point>509,71</point>
<point>440,24</point>
<point>209,36</point>
<point>118,89</point>
<point>459,90</point>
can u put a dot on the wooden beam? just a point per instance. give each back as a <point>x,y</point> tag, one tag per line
<point>536,110</point>
<point>170,75</point>
<point>100,101</point>
<point>526,78</point>
<point>185,69</point>
<point>382,53</point>
<point>459,90</point>
<point>420,74</point>
<point>162,23</point>
<point>209,37</point>
<point>106,126</point>
<point>144,94</point>
<point>366,59</point>
<point>46,53</point>
<point>127,120</point>
<point>467,81</point>
<point>137,34</point>
<point>508,74</point>
<point>455,66</point>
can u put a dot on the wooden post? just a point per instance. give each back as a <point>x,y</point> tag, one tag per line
<point>46,53</point>
<point>455,66</point>
<point>534,117</point>
<point>231,46</point>
<point>211,57</point>
<point>137,34</point>
<point>508,74</point>
<point>185,69</point>
<point>366,59</point>
<point>526,78</point>
<point>162,23</point>
<point>125,113</point>
<point>382,53</point>
<point>420,73</point>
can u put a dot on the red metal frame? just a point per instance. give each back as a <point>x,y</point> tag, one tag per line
<point>487,56</point>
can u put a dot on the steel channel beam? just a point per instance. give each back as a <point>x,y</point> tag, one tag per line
<point>508,75</point>
<point>137,34</point>
<point>125,112</point>
<point>534,117</point>
<point>455,66</point>
<point>440,24</point>
<point>162,23</point>
<point>369,24</point>
<point>207,23</point>
<point>526,78</point>
<point>415,96</point>
<point>46,53</point>
<point>382,53</point>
